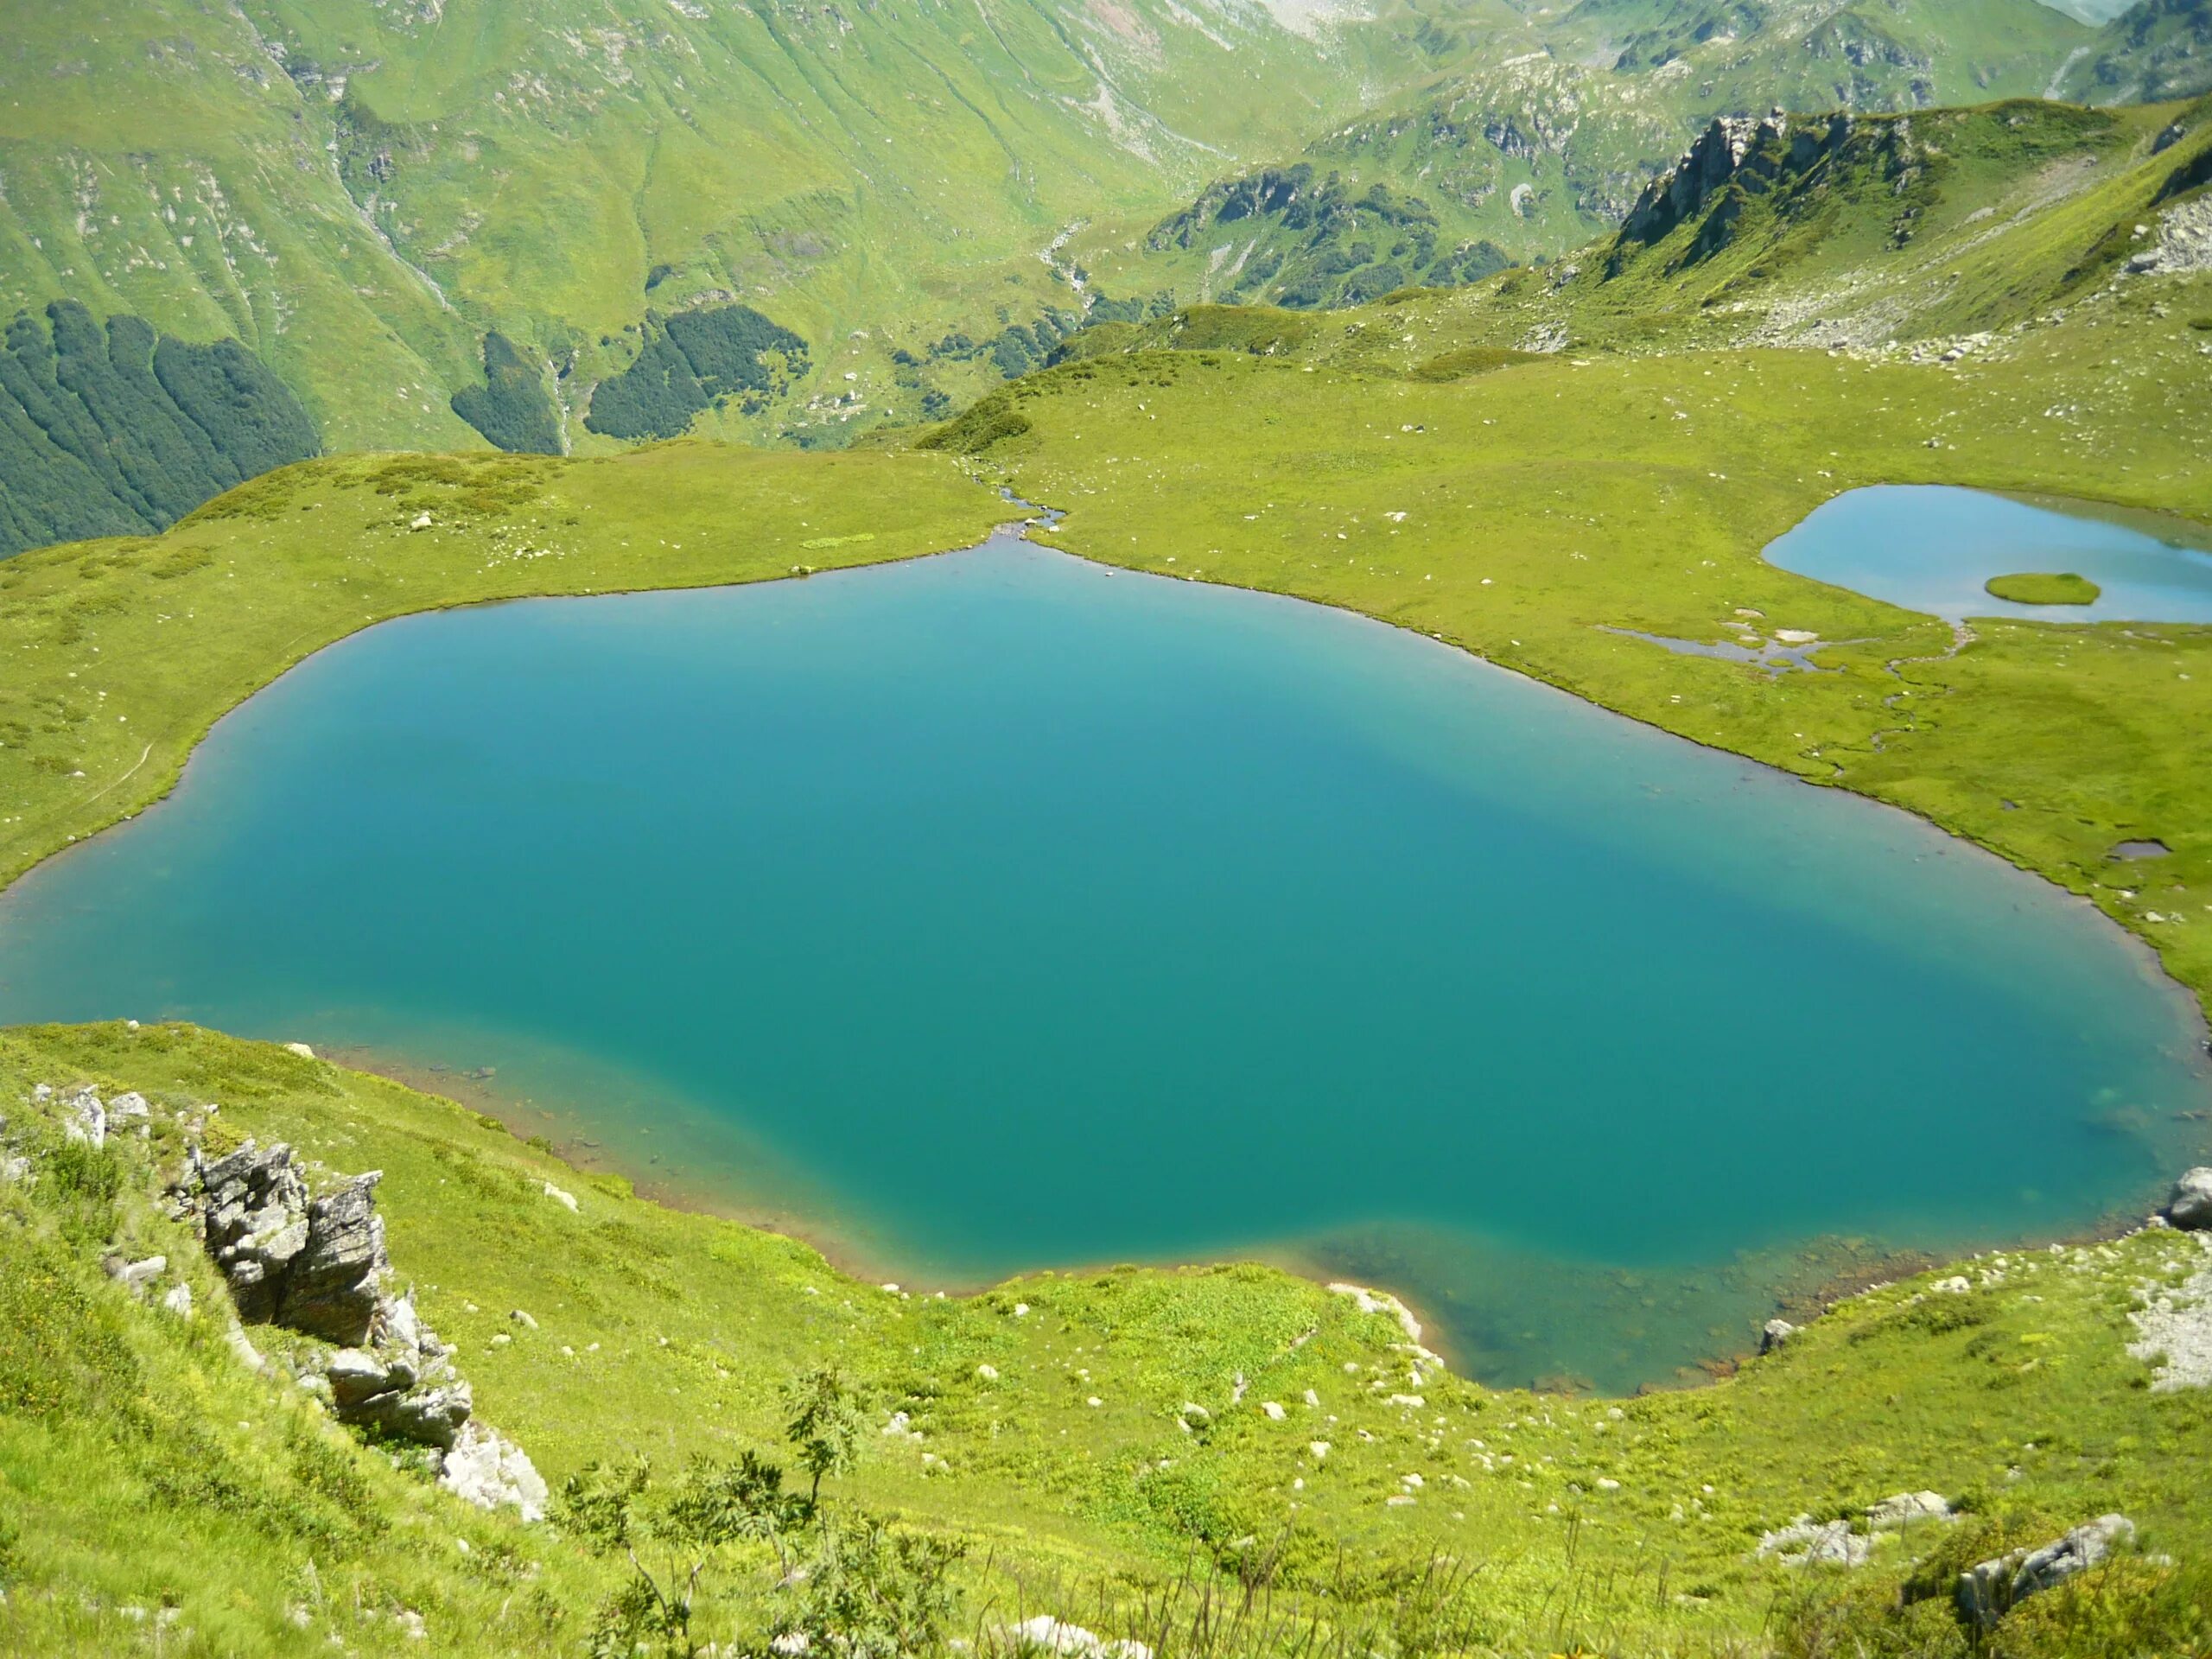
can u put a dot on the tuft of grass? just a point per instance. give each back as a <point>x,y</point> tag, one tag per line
<point>2034,588</point>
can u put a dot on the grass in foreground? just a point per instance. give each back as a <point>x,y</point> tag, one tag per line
<point>1122,1448</point>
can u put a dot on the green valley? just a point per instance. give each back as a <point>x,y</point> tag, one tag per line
<point>1527,330</point>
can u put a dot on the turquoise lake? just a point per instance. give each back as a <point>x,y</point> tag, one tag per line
<point>996,911</point>
<point>1930,547</point>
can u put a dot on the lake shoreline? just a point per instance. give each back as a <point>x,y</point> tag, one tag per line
<point>1822,1278</point>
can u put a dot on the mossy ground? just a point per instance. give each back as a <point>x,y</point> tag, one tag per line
<point>2044,587</point>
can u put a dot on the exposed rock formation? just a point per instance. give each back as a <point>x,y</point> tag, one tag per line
<point>314,1266</point>
<point>1739,157</point>
<point>318,1265</point>
<point>2190,1207</point>
<point>1987,1591</point>
<point>1774,1333</point>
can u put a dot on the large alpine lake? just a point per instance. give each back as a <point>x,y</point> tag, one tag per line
<point>996,911</point>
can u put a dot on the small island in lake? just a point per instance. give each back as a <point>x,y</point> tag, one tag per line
<point>2032,588</point>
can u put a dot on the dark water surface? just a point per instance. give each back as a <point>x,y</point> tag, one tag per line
<point>1931,547</point>
<point>997,911</point>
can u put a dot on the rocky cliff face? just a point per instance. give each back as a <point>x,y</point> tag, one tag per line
<point>1739,159</point>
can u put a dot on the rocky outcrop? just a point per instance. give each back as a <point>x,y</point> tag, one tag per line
<point>1774,1333</point>
<point>319,1266</point>
<point>1987,1591</point>
<point>1740,158</point>
<point>316,1266</point>
<point>2191,1206</point>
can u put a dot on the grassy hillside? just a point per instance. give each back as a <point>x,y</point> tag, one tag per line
<point>362,194</point>
<point>1109,1448</point>
<point>2155,49</point>
<point>1517,466</point>
<point>1543,141</point>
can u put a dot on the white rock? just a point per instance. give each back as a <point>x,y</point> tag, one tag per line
<point>1046,1634</point>
<point>491,1472</point>
<point>566,1200</point>
<point>138,1275</point>
<point>1794,636</point>
<point>129,1106</point>
<point>1318,1448</point>
<point>178,1300</point>
<point>1906,1508</point>
<point>84,1118</point>
<point>988,1373</point>
<point>249,1356</point>
<point>300,1049</point>
<point>1274,1411</point>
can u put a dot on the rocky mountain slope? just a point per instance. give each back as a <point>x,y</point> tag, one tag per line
<point>362,194</point>
<point>1545,140</point>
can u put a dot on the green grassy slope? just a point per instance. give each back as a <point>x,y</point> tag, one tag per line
<point>2155,49</point>
<point>362,194</point>
<point>1574,1525</point>
<point>1545,140</point>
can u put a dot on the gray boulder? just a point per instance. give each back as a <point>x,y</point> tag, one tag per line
<point>1774,1333</point>
<point>316,1265</point>
<point>1989,1591</point>
<point>2190,1207</point>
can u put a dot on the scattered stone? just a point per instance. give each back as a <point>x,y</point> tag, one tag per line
<point>566,1200</point>
<point>487,1469</point>
<point>178,1300</point>
<point>1987,1591</point>
<point>988,1373</point>
<point>1774,1333</point>
<point>84,1119</point>
<point>300,1049</point>
<point>1806,1542</point>
<point>1047,1634</point>
<point>136,1275</point>
<point>2175,1327</point>
<point>2191,1206</point>
<point>1274,1411</point>
<point>1906,1508</point>
<point>249,1356</point>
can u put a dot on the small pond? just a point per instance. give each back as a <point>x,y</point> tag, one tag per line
<point>998,910</point>
<point>1930,547</point>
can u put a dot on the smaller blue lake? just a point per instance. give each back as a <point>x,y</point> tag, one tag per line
<point>1930,547</point>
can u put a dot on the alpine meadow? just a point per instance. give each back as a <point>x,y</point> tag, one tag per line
<point>1132,829</point>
